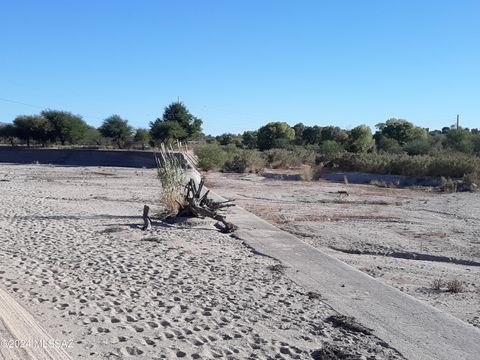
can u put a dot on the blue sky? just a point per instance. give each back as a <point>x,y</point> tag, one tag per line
<point>240,64</point>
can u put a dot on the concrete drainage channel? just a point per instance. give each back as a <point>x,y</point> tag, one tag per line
<point>415,329</point>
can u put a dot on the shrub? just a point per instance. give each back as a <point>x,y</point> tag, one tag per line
<point>330,147</point>
<point>437,284</point>
<point>172,178</point>
<point>448,165</point>
<point>210,156</point>
<point>294,157</point>
<point>245,161</point>
<point>454,286</point>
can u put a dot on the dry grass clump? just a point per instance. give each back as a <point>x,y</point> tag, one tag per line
<point>437,284</point>
<point>306,173</point>
<point>454,286</point>
<point>172,178</point>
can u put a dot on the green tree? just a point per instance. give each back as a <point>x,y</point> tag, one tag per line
<point>360,139</point>
<point>312,135</point>
<point>227,138</point>
<point>142,136</point>
<point>401,131</point>
<point>299,129</point>
<point>32,127</point>
<point>177,123</point>
<point>387,144</point>
<point>65,127</point>
<point>9,132</point>
<point>94,137</point>
<point>275,135</point>
<point>459,140</point>
<point>476,142</point>
<point>249,139</point>
<point>329,147</point>
<point>117,129</point>
<point>334,133</point>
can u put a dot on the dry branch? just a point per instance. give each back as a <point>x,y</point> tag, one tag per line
<point>201,206</point>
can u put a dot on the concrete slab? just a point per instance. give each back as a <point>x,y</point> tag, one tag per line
<point>22,337</point>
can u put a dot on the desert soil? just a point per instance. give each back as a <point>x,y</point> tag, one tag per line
<point>72,253</point>
<point>407,238</point>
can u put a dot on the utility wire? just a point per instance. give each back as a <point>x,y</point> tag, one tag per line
<point>20,103</point>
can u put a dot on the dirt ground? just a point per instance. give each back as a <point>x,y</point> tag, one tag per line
<point>407,238</point>
<point>74,256</point>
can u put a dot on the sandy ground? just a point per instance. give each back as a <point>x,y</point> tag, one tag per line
<point>404,237</point>
<point>73,255</point>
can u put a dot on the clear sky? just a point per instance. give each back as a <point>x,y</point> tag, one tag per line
<point>239,64</point>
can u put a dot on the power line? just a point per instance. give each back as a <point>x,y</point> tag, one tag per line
<point>20,103</point>
<point>95,118</point>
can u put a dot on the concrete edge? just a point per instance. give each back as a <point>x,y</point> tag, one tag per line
<point>23,337</point>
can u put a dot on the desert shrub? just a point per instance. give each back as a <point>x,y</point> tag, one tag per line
<point>210,156</point>
<point>472,178</point>
<point>453,165</point>
<point>331,147</point>
<point>448,165</point>
<point>447,184</point>
<point>307,173</point>
<point>245,161</point>
<point>281,158</point>
<point>293,157</point>
<point>418,147</point>
<point>172,179</point>
<point>437,284</point>
<point>454,286</point>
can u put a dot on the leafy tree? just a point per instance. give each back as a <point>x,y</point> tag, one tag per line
<point>31,127</point>
<point>227,138</point>
<point>418,147</point>
<point>177,123</point>
<point>460,140</point>
<point>312,135</point>
<point>142,136</point>
<point>397,129</point>
<point>9,132</point>
<point>299,128</point>
<point>387,144</point>
<point>360,139</point>
<point>330,147</point>
<point>476,142</point>
<point>275,134</point>
<point>445,130</point>
<point>117,129</point>
<point>65,127</point>
<point>334,133</point>
<point>249,139</point>
<point>168,131</point>
<point>94,137</point>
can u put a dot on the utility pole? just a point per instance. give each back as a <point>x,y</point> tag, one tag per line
<point>178,99</point>
<point>458,121</point>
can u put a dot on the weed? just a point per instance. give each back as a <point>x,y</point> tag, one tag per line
<point>437,284</point>
<point>172,179</point>
<point>454,286</point>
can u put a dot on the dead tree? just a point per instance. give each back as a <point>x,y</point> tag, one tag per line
<point>147,222</point>
<point>195,204</point>
<point>201,206</point>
